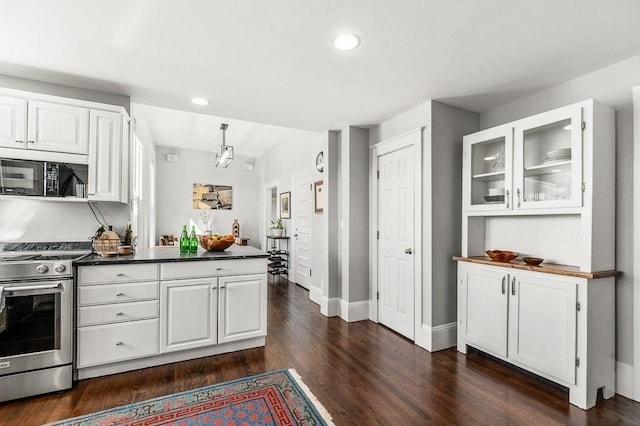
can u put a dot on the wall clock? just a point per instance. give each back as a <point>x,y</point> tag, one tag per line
<point>320,161</point>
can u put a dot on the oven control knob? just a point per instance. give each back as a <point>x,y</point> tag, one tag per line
<point>42,269</point>
<point>60,269</point>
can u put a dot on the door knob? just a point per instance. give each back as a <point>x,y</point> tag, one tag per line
<point>408,251</point>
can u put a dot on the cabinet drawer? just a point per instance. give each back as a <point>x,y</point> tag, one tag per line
<point>117,273</point>
<point>115,293</point>
<point>212,268</point>
<point>103,344</point>
<point>118,312</point>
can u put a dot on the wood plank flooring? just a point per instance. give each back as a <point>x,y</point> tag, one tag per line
<point>363,373</point>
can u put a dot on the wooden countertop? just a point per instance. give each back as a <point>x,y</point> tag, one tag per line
<point>549,268</point>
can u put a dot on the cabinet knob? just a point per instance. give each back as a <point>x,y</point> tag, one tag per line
<point>218,269</point>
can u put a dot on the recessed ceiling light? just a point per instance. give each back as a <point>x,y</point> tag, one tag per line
<point>346,41</point>
<point>200,101</point>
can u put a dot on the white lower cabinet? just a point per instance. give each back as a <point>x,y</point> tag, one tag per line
<point>559,327</point>
<point>139,315</point>
<point>189,314</point>
<point>243,307</point>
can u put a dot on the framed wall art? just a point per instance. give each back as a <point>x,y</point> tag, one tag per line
<point>317,196</point>
<point>285,205</point>
<point>207,197</point>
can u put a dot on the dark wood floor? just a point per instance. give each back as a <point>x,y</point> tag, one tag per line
<point>363,373</point>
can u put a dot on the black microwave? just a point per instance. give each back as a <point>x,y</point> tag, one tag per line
<point>42,178</point>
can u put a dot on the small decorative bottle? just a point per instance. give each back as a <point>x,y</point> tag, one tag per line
<point>193,241</point>
<point>184,240</point>
<point>236,228</point>
<point>128,235</point>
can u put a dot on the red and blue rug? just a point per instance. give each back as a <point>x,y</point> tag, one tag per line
<point>276,398</point>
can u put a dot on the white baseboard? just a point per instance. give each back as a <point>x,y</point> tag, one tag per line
<point>315,295</point>
<point>354,311</point>
<point>438,337</point>
<point>330,307</point>
<point>624,379</point>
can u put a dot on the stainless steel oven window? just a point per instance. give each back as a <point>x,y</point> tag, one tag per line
<point>30,323</point>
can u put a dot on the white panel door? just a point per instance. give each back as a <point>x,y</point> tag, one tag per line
<point>542,325</point>
<point>396,241</point>
<point>243,307</point>
<point>105,144</point>
<point>302,211</point>
<point>484,324</point>
<point>188,314</point>
<point>58,128</point>
<point>13,125</point>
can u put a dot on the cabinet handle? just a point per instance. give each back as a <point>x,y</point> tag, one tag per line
<point>508,198</point>
<point>218,269</point>
<point>222,287</point>
<point>120,275</point>
<point>119,294</point>
<point>518,192</point>
<point>119,344</point>
<point>504,279</point>
<point>19,141</point>
<point>513,286</point>
<point>119,314</point>
<point>30,142</point>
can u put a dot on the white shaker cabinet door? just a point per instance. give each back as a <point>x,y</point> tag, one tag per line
<point>57,128</point>
<point>13,115</point>
<point>188,314</point>
<point>484,321</point>
<point>542,325</point>
<point>105,147</point>
<point>243,307</point>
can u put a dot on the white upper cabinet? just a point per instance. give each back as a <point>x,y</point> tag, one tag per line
<point>57,127</point>
<point>548,160</point>
<point>105,162</point>
<point>533,163</point>
<point>487,170</point>
<point>13,115</point>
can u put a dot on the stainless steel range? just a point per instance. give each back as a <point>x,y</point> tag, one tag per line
<point>36,323</point>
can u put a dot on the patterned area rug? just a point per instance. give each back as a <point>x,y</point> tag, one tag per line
<point>276,398</point>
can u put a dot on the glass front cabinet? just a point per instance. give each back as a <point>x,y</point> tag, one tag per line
<point>533,163</point>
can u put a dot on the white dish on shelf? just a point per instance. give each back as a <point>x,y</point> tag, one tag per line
<point>555,160</point>
<point>559,153</point>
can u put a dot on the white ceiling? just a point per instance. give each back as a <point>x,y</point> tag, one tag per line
<point>273,61</point>
<point>183,129</point>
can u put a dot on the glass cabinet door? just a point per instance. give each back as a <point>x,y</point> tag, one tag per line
<point>488,181</point>
<point>547,160</point>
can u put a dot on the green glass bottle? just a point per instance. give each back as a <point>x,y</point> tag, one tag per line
<point>193,241</point>
<point>184,240</point>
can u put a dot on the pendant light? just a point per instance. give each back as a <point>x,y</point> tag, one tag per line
<point>224,156</point>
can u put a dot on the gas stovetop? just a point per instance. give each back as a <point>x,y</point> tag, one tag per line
<point>31,261</point>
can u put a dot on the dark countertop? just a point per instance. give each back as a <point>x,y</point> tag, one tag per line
<point>172,254</point>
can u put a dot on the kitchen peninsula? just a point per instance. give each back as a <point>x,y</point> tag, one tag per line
<point>160,306</point>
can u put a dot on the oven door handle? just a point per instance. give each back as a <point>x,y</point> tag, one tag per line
<point>34,290</point>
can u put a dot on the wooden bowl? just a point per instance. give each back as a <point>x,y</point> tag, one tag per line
<point>532,261</point>
<point>216,242</point>
<point>503,256</point>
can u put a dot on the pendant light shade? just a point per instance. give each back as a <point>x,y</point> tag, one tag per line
<point>224,156</point>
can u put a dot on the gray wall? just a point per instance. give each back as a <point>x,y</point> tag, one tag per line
<point>612,86</point>
<point>331,222</point>
<point>448,126</point>
<point>174,193</point>
<point>279,164</point>
<point>30,220</point>
<point>354,214</point>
